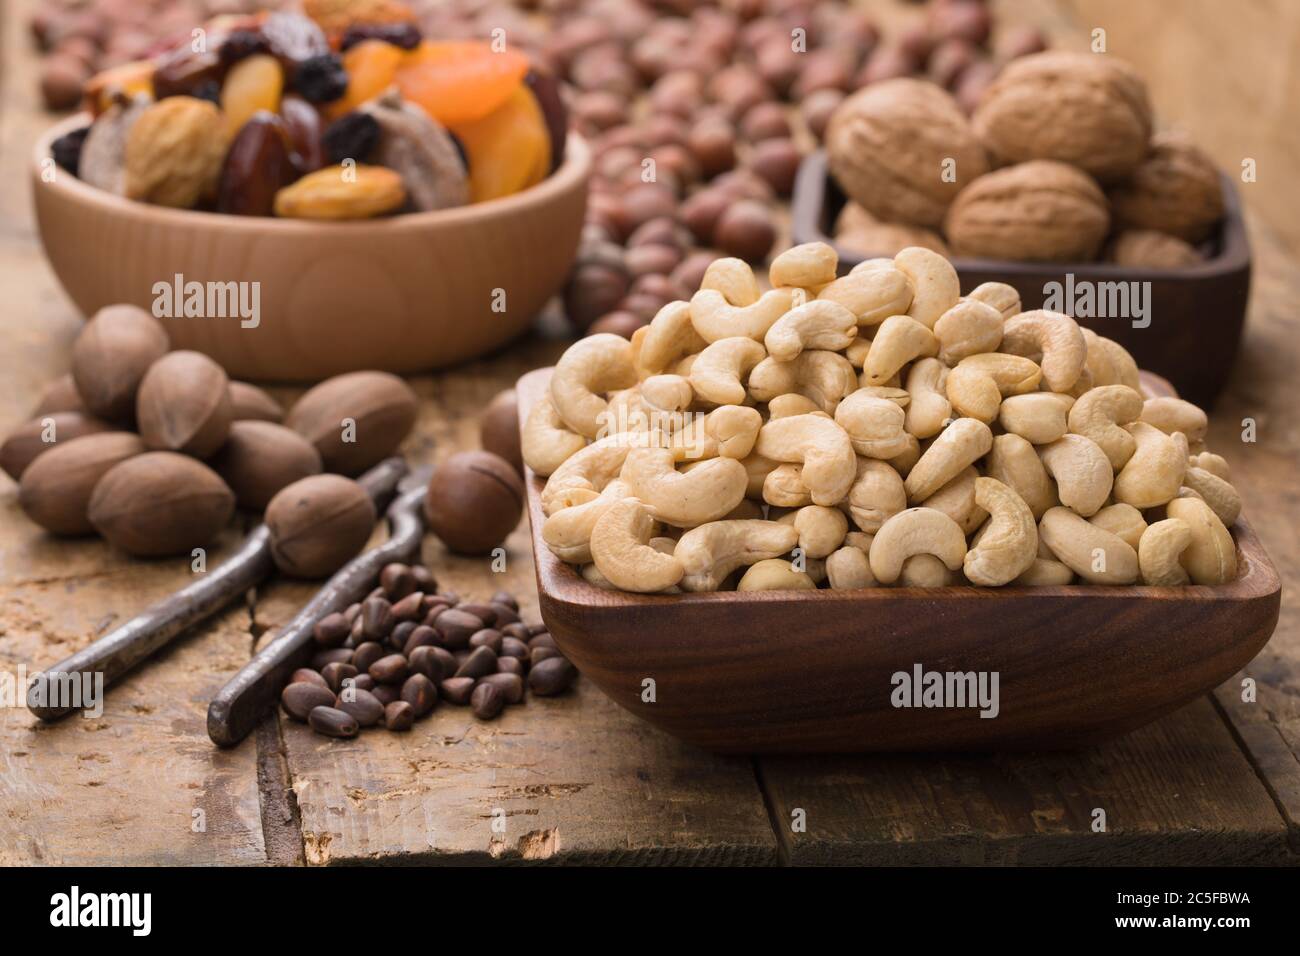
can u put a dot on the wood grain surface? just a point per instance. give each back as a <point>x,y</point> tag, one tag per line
<point>577,779</point>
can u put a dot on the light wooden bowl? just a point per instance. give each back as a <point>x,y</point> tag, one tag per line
<point>810,671</point>
<point>405,294</point>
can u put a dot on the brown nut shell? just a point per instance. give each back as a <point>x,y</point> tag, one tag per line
<point>887,146</point>
<point>1176,190</point>
<point>184,404</point>
<point>28,442</point>
<point>57,487</point>
<point>160,503</point>
<point>250,403</point>
<point>260,458</point>
<point>1040,211</point>
<point>318,524</point>
<point>475,500</point>
<point>1148,249</point>
<point>380,407</point>
<point>112,354</point>
<point>499,428</point>
<point>1088,110</point>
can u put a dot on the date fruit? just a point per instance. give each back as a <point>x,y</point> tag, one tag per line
<point>258,166</point>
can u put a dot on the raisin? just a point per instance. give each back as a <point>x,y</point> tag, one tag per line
<point>303,123</point>
<point>321,79</point>
<point>180,71</point>
<point>294,38</point>
<point>350,137</point>
<point>404,35</point>
<point>257,166</point>
<point>210,91</point>
<point>242,43</point>
<point>66,150</point>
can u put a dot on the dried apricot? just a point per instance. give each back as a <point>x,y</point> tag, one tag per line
<point>336,16</point>
<point>342,192</point>
<point>371,66</point>
<point>460,81</point>
<point>127,79</point>
<point>254,83</point>
<point>508,150</point>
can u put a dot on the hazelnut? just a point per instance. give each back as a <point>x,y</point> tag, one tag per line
<point>888,63</point>
<point>652,259</point>
<point>948,61</point>
<point>689,274</point>
<point>663,231</point>
<point>56,488</point>
<point>1148,249</point>
<point>1040,211</point>
<point>825,69</point>
<point>318,524</point>
<point>745,230</point>
<point>966,20</point>
<point>817,108</point>
<point>645,202</point>
<point>663,129</point>
<point>160,503</point>
<point>1018,41</point>
<point>889,145</point>
<point>62,76</point>
<point>714,145</point>
<point>777,161</point>
<point>599,110</point>
<point>619,323</point>
<point>1110,115</point>
<point>355,420</point>
<point>111,356</point>
<point>677,93</point>
<point>498,428</point>
<point>474,501</point>
<point>184,404</point>
<point>1175,190</point>
<point>250,403</point>
<point>744,184</point>
<point>738,87</point>
<point>260,458</point>
<point>592,291</point>
<point>778,64</point>
<point>973,82</point>
<point>765,121</point>
<point>700,212</point>
<point>678,162</point>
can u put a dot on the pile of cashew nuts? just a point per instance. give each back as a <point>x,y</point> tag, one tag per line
<point>871,430</point>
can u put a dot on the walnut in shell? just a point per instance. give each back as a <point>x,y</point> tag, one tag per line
<point>1176,190</point>
<point>862,233</point>
<point>891,145</point>
<point>1040,211</point>
<point>1086,109</point>
<point>1146,248</point>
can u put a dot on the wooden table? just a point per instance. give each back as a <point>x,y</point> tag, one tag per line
<point>576,780</point>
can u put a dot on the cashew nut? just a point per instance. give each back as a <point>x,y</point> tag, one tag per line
<point>1099,414</point>
<point>621,551</point>
<point>599,363</point>
<point>774,574</point>
<point>1082,472</point>
<point>968,328</point>
<point>962,443</point>
<point>546,443</point>
<point>1009,544</point>
<point>584,475</point>
<point>667,393</point>
<point>1159,551</point>
<point>928,406</point>
<point>1093,553</point>
<point>1211,557</point>
<point>1175,415</point>
<point>669,336</point>
<point>1215,464</point>
<point>899,340</point>
<point>734,428</point>
<point>814,325</point>
<point>821,529</point>
<point>1001,296</point>
<point>715,318</point>
<point>712,551</point>
<point>718,371</point>
<point>783,406</point>
<point>956,499</point>
<point>1215,492</point>
<point>978,384</point>
<point>825,377</point>
<point>1123,521</point>
<point>1052,340</point>
<point>567,532</point>
<point>876,496</point>
<point>872,295</point>
<point>1014,462</point>
<point>808,266</point>
<point>783,487</point>
<point>706,492</point>
<point>820,445</point>
<point>1155,472</point>
<point>934,280</point>
<point>912,532</point>
<point>1109,362</point>
<point>1038,417</point>
<point>734,279</point>
<point>874,425</point>
<point>849,569</point>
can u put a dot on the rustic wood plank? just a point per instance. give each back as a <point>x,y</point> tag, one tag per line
<point>566,780</point>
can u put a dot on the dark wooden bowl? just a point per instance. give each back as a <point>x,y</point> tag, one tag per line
<point>811,671</point>
<point>1197,314</point>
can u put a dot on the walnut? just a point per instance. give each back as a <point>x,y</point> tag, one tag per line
<point>1146,248</point>
<point>1176,190</point>
<point>1085,109</point>
<point>1040,211</point>
<point>903,150</point>
<point>862,233</point>
<point>174,152</point>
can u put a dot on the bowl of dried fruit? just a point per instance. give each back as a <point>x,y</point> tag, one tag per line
<point>298,198</point>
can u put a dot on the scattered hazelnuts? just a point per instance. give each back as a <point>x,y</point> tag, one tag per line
<point>475,499</point>
<point>745,230</point>
<point>318,524</point>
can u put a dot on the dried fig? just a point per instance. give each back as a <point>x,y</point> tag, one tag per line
<point>174,152</point>
<point>1175,190</point>
<point>356,419</point>
<point>103,155</point>
<point>319,523</point>
<point>57,487</point>
<point>414,145</point>
<point>160,503</point>
<point>1080,108</point>
<point>1040,211</point>
<point>111,355</point>
<point>903,149</point>
<point>184,404</point>
<point>42,434</point>
<point>260,458</point>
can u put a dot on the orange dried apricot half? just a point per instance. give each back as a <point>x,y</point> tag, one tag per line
<point>460,81</point>
<point>508,150</point>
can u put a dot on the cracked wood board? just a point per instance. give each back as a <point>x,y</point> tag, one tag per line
<point>572,779</point>
<point>1178,791</point>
